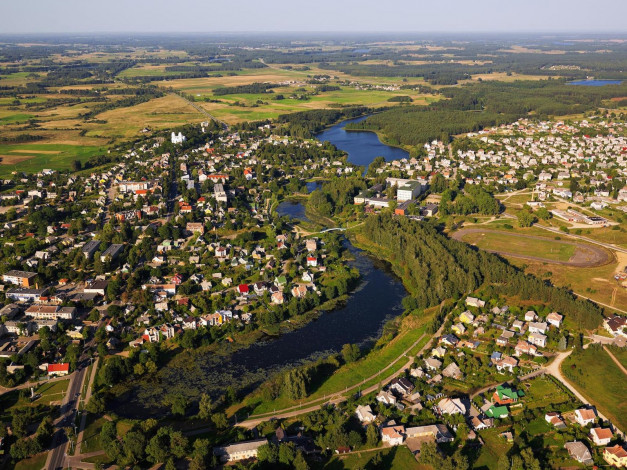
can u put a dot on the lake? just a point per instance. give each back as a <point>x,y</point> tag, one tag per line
<point>362,146</point>
<point>595,82</point>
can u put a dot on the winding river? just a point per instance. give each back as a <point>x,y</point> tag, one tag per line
<point>376,300</point>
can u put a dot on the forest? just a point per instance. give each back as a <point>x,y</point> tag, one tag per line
<point>435,267</point>
<point>472,107</point>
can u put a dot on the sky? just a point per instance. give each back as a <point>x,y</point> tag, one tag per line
<point>211,16</point>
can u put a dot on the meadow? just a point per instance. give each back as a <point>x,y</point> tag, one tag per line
<point>599,379</point>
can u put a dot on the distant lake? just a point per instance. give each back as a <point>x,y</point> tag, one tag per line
<point>362,146</point>
<point>595,82</point>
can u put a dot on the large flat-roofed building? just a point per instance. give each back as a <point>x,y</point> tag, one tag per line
<point>90,248</point>
<point>26,295</point>
<point>408,191</point>
<point>19,278</point>
<point>50,312</point>
<point>239,451</point>
<point>112,252</point>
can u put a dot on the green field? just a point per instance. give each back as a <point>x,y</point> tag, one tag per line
<point>32,158</point>
<point>523,246</point>
<point>600,380</point>
<point>395,458</point>
<point>542,392</point>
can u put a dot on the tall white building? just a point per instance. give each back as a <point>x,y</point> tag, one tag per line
<point>178,139</point>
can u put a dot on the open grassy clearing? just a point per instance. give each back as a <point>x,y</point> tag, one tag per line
<point>598,378</point>
<point>91,435</point>
<point>542,392</point>
<point>395,458</point>
<point>501,241</point>
<point>597,283</point>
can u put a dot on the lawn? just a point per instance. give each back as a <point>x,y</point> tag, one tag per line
<point>34,463</point>
<point>91,435</point>
<point>494,446</point>
<point>600,380</point>
<point>519,245</point>
<point>542,392</point>
<point>395,458</point>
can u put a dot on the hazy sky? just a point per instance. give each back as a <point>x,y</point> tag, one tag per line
<point>68,16</point>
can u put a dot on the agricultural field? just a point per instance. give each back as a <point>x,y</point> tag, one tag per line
<point>35,157</point>
<point>599,379</point>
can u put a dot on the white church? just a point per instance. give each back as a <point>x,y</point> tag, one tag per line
<point>178,139</point>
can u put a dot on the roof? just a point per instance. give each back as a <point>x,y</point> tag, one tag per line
<point>602,433</point>
<point>617,451</point>
<point>16,273</point>
<point>63,367</point>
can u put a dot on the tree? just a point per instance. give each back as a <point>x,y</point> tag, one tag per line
<point>462,431</point>
<point>299,462</point>
<point>268,453</point>
<point>526,219</point>
<point>563,343</point>
<point>204,407</point>
<point>350,352</point>
<point>219,420</point>
<point>286,453</point>
<point>372,436</point>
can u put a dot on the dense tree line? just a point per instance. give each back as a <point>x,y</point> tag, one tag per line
<point>436,268</point>
<point>253,88</point>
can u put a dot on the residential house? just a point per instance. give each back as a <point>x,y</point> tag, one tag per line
<point>451,406</point>
<point>555,419</point>
<point>364,414</point>
<point>59,370</point>
<point>537,339</point>
<point>452,371</point>
<point>524,347</point>
<point>474,302</point>
<point>579,452</point>
<point>393,435</point>
<point>585,416</point>
<point>438,432</point>
<point>615,456</point>
<point>239,451</point>
<point>506,363</point>
<point>601,436</point>
<point>386,397</point>
<point>401,386</point>
<point>467,317</point>
<point>504,395</point>
<point>554,319</point>
<point>538,327</point>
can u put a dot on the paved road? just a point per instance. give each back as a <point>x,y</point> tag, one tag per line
<point>586,256</point>
<point>69,406</point>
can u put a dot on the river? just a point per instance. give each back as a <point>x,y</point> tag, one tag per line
<point>376,300</point>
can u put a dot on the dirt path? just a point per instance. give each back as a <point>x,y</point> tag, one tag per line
<point>586,256</point>
<point>616,361</point>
